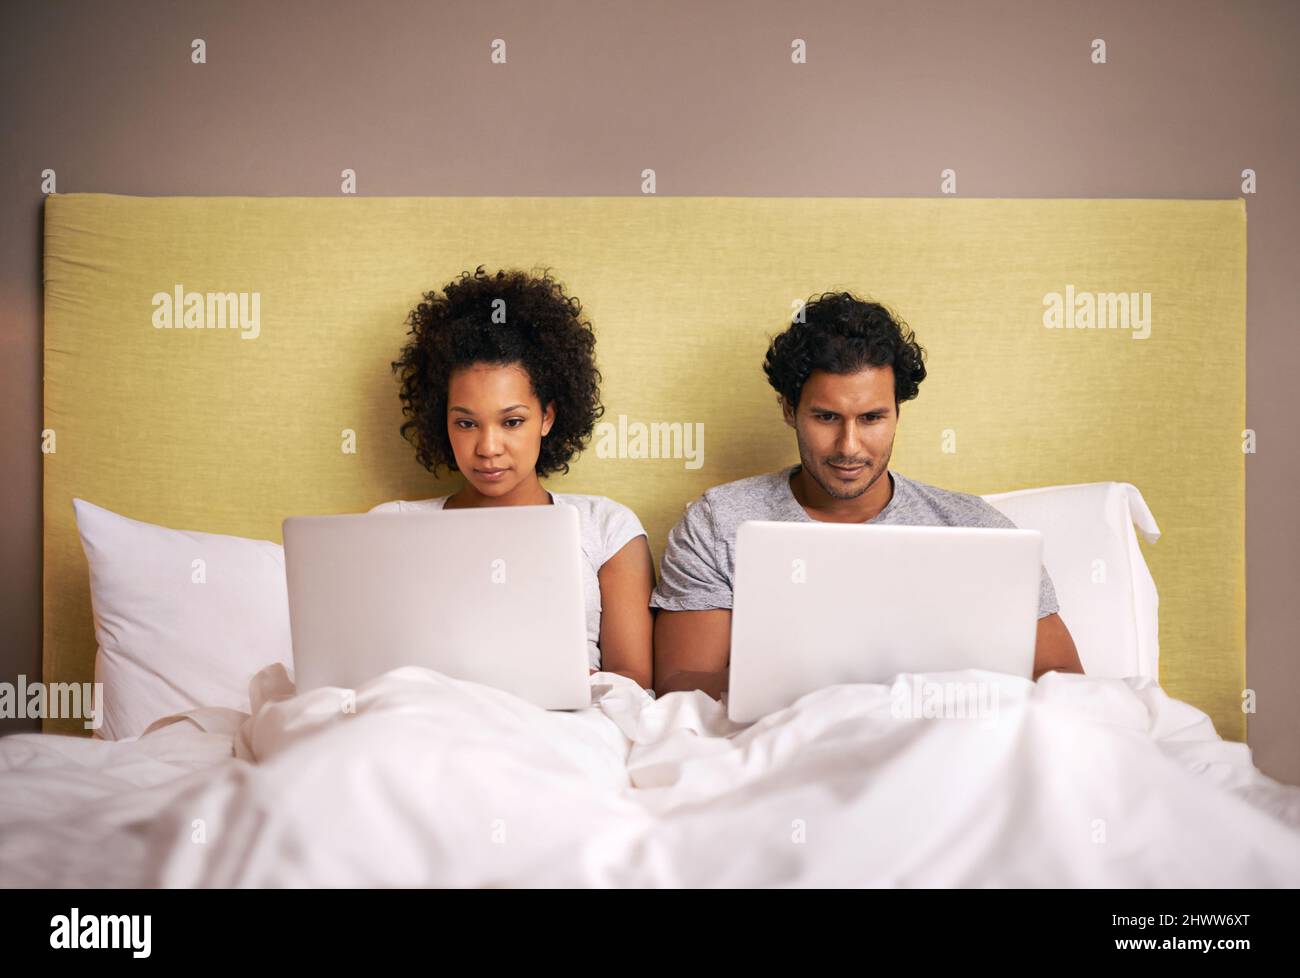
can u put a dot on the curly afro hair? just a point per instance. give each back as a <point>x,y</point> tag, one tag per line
<point>544,333</point>
<point>843,334</point>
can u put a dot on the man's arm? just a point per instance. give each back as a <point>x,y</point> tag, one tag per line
<point>692,631</point>
<point>1054,649</point>
<point>692,651</point>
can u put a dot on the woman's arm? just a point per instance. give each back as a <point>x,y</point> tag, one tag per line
<point>626,622</point>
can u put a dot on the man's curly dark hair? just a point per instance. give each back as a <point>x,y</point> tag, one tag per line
<point>843,334</point>
<point>544,333</point>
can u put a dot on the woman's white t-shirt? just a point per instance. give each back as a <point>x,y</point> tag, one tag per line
<point>605,527</point>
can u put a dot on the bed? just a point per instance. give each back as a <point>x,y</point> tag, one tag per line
<point>436,782</point>
<point>205,768</point>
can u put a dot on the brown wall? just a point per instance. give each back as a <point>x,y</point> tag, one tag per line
<point>593,92</point>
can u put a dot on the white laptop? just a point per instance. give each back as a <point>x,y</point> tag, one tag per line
<point>492,595</point>
<point>816,604</point>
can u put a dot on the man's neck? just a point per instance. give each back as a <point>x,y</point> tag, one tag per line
<point>823,507</point>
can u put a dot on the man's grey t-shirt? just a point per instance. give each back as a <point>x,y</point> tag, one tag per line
<point>699,565</point>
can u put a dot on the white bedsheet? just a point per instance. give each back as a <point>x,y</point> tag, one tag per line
<point>433,781</point>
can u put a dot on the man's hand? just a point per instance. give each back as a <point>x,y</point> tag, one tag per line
<point>693,650</point>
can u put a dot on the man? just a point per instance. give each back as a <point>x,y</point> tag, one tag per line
<point>840,371</point>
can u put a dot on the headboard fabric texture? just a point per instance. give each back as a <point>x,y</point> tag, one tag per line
<point>1068,341</point>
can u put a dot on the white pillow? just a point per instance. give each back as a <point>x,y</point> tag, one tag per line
<point>168,644</point>
<point>1107,595</point>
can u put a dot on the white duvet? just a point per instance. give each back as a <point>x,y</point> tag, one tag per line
<point>433,781</point>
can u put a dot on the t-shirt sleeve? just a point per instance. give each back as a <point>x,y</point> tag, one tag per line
<point>1047,603</point>
<point>689,576</point>
<point>389,507</point>
<point>618,525</point>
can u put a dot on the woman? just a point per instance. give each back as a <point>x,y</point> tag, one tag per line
<point>499,383</point>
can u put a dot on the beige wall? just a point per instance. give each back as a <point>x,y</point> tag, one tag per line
<point>593,92</point>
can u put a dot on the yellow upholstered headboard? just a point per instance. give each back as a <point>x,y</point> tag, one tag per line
<point>219,430</point>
